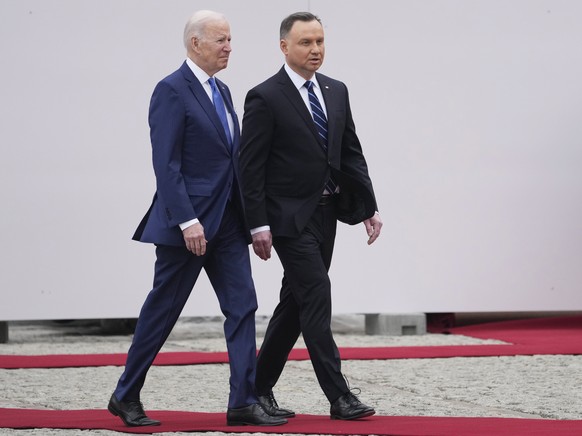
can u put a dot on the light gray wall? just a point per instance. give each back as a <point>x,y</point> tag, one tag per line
<point>469,114</point>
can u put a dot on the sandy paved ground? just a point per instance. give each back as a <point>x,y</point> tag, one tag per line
<point>521,386</point>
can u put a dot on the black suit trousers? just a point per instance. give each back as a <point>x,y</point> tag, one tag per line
<point>304,307</point>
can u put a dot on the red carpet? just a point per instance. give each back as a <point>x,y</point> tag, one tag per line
<point>524,337</point>
<point>302,424</point>
<point>559,335</point>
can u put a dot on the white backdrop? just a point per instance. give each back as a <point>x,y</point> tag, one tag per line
<point>469,114</point>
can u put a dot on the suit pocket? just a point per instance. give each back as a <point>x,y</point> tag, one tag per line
<point>197,189</point>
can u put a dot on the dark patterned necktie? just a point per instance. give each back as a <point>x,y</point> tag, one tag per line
<point>219,106</point>
<point>321,125</point>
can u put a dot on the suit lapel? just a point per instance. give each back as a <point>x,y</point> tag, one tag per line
<point>230,109</point>
<point>200,94</point>
<point>331,104</point>
<point>292,94</point>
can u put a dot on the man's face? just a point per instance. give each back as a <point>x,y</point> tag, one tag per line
<point>304,48</point>
<point>213,49</point>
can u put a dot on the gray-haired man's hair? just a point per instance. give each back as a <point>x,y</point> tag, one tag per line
<point>197,23</point>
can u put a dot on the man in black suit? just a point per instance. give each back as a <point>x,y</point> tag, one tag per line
<point>303,169</point>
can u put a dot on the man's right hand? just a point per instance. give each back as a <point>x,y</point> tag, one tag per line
<point>262,243</point>
<point>194,238</point>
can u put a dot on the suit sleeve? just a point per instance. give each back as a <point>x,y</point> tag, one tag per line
<point>167,122</point>
<point>353,162</point>
<point>256,140</point>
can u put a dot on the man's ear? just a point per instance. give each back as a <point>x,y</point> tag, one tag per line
<point>194,43</point>
<point>283,46</point>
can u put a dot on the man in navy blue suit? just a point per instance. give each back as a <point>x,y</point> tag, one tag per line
<point>196,220</point>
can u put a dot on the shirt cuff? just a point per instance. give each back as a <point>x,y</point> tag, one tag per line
<point>187,224</point>
<point>260,229</point>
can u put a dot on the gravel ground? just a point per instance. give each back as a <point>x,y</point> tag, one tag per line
<point>520,386</point>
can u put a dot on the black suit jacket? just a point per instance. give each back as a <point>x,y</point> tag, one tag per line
<point>283,166</point>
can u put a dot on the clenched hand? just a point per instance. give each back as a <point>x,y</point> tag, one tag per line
<point>373,227</point>
<point>194,238</point>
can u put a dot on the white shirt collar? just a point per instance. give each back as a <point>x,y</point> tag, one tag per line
<point>198,72</point>
<point>297,80</point>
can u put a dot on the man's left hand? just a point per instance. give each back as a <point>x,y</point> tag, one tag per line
<point>373,227</point>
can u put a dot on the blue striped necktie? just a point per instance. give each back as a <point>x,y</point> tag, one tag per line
<point>219,106</point>
<point>321,125</point>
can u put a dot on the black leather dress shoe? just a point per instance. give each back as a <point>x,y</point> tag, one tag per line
<point>272,408</point>
<point>252,415</point>
<point>130,412</point>
<point>349,407</point>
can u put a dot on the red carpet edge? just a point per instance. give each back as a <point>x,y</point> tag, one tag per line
<point>542,336</point>
<point>173,421</point>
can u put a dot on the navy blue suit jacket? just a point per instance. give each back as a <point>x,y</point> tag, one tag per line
<point>195,166</point>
